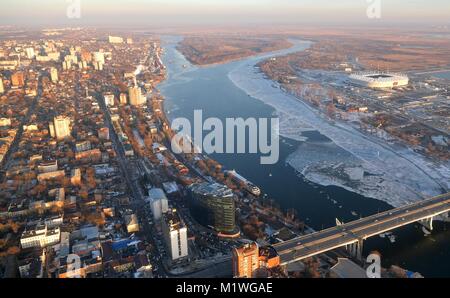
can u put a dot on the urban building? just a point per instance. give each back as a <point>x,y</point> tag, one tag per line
<point>86,56</point>
<point>75,177</point>
<point>18,79</point>
<point>212,205</point>
<point>132,223</point>
<point>48,166</point>
<point>73,59</point>
<point>136,97</point>
<point>92,155</point>
<point>268,257</point>
<point>346,268</point>
<point>251,260</point>
<point>62,127</point>
<point>115,39</point>
<point>158,203</point>
<point>30,53</point>
<point>2,87</point>
<point>51,175</point>
<point>99,60</point>
<point>245,260</point>
<point>109,99</point>
<point>175,234</point>
<point>103,133</point>
<point>99,57</point>
<point>98,66</point>
<point>83,146</point>
<point>54,75</point>
<point>123,99</point>
<point>40,235</point>
<point>66,65</point>
<point>4,122</point>
<point>51,129</point>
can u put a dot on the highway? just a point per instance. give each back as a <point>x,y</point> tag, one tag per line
<point>342,235</point>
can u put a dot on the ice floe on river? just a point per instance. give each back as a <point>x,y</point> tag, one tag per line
<point>355,161</point>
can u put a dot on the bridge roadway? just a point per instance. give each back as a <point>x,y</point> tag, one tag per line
<point>356,231</point>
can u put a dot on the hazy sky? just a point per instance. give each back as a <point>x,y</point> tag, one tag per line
<point>134,12</point>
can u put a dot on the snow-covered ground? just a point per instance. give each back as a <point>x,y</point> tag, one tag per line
<point>392,173</point>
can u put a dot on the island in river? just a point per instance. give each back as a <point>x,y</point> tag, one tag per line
<point>219,89</point>
<point>207,50</point>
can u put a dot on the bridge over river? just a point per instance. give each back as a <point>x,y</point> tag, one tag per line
<point>351,235</point>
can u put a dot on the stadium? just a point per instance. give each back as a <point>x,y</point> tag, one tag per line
<point>379,80</point>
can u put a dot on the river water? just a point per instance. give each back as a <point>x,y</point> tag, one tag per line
<point>210,89</point>
<point>443,75</point>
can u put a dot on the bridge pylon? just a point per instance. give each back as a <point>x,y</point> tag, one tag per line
<point>356,249</point>
<point>445,217</point>
<point>427,223</point>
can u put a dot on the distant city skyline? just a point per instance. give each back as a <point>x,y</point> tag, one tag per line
<point>154,12</point>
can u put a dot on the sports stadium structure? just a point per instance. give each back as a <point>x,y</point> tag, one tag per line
<point>379,80</point>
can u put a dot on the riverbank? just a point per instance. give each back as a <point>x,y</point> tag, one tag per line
<point>394,174</point>
<point>211,90</point>
<point>212,50</point>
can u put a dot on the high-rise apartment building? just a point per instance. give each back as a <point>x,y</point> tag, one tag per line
<point>136,97</point>
<point>30,53</point>
<point>175,235</point>
<point>54,75</point>
<point>158,203</point>
<point>245,260</point>
<point>61,127</point>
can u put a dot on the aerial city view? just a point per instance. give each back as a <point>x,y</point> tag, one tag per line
<point>224,139</point>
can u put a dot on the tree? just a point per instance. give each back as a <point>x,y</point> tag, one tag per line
<point>13,250</point>
<point>331,110</point>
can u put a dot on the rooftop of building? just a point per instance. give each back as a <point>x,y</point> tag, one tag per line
<point>248,248</point>
<point>156,194</point>
<point>173,220</point>
<point>268,252</point>
<point>346,268</point>
<point>212,189</point>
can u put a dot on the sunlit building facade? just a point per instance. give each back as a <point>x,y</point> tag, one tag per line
<point>212,205</point>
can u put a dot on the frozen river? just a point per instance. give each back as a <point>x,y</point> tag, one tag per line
<point>342,168</point>
<point>355,161</point>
